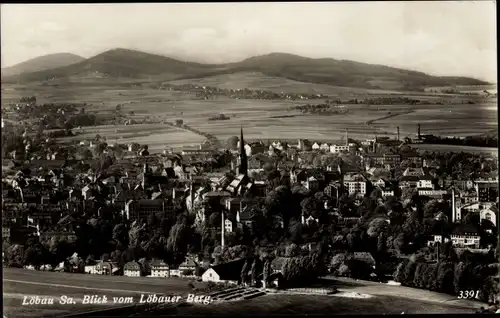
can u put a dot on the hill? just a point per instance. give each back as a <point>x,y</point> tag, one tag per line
<point>42,63</point>
<point>343,73</point>
<point>119,63</point>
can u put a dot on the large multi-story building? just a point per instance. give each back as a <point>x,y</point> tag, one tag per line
<point>356,183</point>
<point>141,209</point>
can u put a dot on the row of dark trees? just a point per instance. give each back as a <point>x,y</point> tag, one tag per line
<point>450,277</point>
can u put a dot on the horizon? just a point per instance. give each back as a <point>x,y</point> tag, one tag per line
<point>436,38</point>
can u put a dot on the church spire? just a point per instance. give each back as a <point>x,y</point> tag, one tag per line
<point>243,155</point>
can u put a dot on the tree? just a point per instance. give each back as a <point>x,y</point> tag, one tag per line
<point>295,230</point>
<point>408,193</point>
<point>266,273</point>
<point>120,234</point>
<point>418,279</point>
<point>292,250</point>
<point>377,226</point>
<point>232,143</point>
<point>309,207</point>
<point>253,272</point>
<point>400,271</point>
<point>244,273</point>
<point>179,122</point>
<point>409,273</point>
<point>177,241</point>
<point>99,148</point>
<point>445,277</point>
<point>15,255</point>
<point>135,147</point>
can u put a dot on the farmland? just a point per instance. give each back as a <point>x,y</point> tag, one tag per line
<point>156,136</point>
<point>261,119</point>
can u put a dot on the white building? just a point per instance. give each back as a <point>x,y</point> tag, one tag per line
<point>325,147</point>
<point>315,146</point>
<point>387,193</point>
<point>159,269</point>
<point>340,148</point>
<point>355,184</point>
<point>486,211</point>
<point>425,182</point>
<point>437,239</point>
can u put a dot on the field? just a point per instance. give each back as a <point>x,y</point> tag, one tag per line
<point>258,117</point>
<point>385,299</point>
<point>456,148</point>
<point>156,136</point>
<point>18,283</point>
<point>259,81</point>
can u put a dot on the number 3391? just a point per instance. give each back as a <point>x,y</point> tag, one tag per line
<point>468,294</point>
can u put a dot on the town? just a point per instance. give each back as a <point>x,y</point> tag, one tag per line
<point>264,214</point>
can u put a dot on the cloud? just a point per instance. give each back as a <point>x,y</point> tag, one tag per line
<point>444,38</point>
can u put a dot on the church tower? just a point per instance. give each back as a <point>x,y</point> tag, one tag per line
<point>243,169</point>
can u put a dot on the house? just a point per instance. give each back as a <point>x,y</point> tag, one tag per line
<point>133,269</point>
<point>465,235</point>
<point>324,147</point>
<point>315,146</point>
<point>356,183</point>
<point>490,213</point>
<point>408,182</point>
<point>387,192</point>
<point>418,172</point>
<point>432,164</point>
<point>159,269</point>
<point>188,267</point>
<point>312,184</point>
<point>487,190</point>
<point>340,148</point>
<point>425,182</point>
<point>244,216</point>
<point>225,273</point>
<point>103,268</point>
<point>436,194</point>
<point>380,183</point>
<point>437,239</point>
<point>277,264</point>
<point>486,211</point>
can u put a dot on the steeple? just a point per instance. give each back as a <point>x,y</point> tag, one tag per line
<point>243,155</point>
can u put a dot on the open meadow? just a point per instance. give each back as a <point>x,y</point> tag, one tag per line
<point>261,119</point>
<point>18,283</point>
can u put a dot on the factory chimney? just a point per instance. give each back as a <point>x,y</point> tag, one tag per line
<point>346,137</point>
<point>398,132</point>
<point>418,131</point>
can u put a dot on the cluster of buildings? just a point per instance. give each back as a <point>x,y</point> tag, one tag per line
<point>40,200</point>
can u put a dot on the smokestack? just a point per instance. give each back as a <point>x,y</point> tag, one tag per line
<point>222,230</point>
<point>398,132</point>
<point>346,137</point>
<point>418,131</point>
<point>453,206</point>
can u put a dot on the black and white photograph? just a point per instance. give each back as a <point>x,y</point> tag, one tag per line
<point>249,158</point>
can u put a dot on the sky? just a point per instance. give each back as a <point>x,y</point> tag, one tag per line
<point>439,38</point>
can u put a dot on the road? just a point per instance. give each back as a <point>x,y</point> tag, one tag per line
<point>18,283</point>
